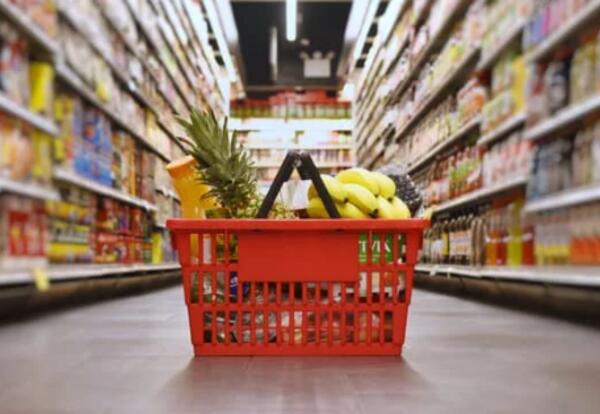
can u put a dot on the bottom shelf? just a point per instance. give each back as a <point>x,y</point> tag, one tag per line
<point>587,276</point>
<point>57,273</point>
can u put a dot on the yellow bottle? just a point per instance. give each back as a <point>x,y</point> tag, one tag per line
<point>189,188</point>
<point>194,204</point>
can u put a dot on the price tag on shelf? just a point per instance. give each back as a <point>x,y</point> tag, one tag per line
<point>40,278</point>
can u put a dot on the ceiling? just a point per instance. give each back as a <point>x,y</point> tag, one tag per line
<point>321,27</point>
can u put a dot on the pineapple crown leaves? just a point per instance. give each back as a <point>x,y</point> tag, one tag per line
<point>222,161</point>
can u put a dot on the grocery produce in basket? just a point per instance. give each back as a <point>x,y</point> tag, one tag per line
<point>406,190</point>
<point>225,167</point>
<point>359,194</point>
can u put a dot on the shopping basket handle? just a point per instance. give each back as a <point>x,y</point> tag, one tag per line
<point>307,169</point>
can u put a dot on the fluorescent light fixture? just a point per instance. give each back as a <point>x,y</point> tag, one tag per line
<point>216,26</point>
<point>273,53</point>
<point>291,19</point>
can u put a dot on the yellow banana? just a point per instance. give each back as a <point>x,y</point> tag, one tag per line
<point>350,211</point>
<point>334,188</point>
<point>316,208</point>
<point>387,187</point>
<point>384,209</point>
<point>361,177</point>
<point>361,198</point>
<point>401,210</point>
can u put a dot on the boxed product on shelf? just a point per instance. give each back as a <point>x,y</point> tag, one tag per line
<point>547,17</point>
<point>41,81</point>
<point>42,12</point>
<point>71,226</point>
<point>566,163</point>
<point>14,65</point>
<point>569,78</point>
<point>23,232</point>
<point>507,92</point>
<point>25,153</point>
<point>568,236</point>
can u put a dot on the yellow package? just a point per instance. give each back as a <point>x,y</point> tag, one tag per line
<point>157,251</point>
<point>42,156</point>
<point>41,79</point>
<point>520,75</point>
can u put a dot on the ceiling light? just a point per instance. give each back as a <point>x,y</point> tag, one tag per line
<point>291,19</point>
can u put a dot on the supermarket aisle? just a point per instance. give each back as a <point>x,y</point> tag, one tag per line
<point>132,355</point>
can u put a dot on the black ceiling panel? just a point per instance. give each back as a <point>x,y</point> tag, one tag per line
<point>322,23</point>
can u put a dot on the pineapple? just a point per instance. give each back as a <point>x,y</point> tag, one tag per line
<point>223,164</point>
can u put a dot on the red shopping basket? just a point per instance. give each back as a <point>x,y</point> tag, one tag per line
<point>297,287</point>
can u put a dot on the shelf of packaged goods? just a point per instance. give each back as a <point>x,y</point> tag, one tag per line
<point>19,111</point>
<point>367,128</point>
<point>438,39</point>
<point>118,73</point>
<point>482,195</point>
<point>367,79</point>
<point>65,175</point>
<point>505,128</point>
<point>144,62</point>
<point>278,146</point>
<point>564,119</point>
<point>489,58</point>
<point>566,31</point>
<point>584,276</point>
<point>184,47</point>
<point>563,199</point>
<point>260,124</point>
<point>397,8</point>
<point>66,74</point>
<point>337,164</point>
<point>62,273</point>
<point>455,77</point>
<point>470,127</point>
<point>28,26</point>
<point>27,189</point>
<point>169,40</point>
<point>147,33</point>
<point>204,50</point>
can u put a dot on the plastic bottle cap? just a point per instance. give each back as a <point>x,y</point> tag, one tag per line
<point>181,167</point>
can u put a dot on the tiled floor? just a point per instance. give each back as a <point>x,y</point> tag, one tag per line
<point>133,356</point>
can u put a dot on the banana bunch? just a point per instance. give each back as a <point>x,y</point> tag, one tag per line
<point>359,194</point>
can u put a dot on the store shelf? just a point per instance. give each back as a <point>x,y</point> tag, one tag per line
<point>28,26</point>
<point>146,32</point>
<point>61,273</point>
<point>346,164</point>
<point>584,276</point>
<point>511,124</point>
<point>119,73</point>
<point>488,59</point>
<point>33,119</point>
<point>564,119</point>
<point>65,175</point>
<point>467,129</point>
<point>27,189</point>
<point>66,74</point>
<point>275,146</point>
<point>481,195</point>
<point>261,124</point>
<point>564,199</point>
<point>453,78</point>
<point>438,39</point>
<point>587,15</point>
